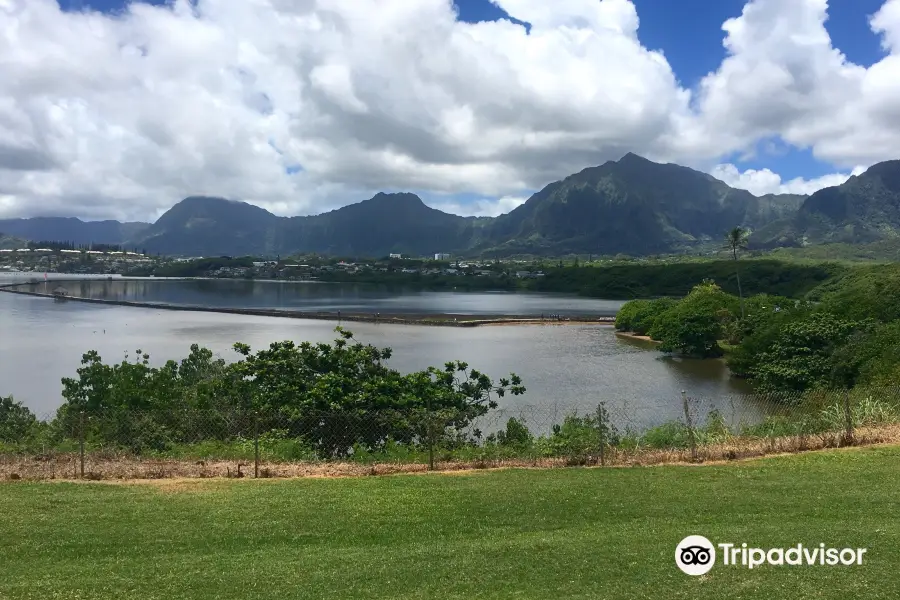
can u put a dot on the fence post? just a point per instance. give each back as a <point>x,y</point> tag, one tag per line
<point>600,428</point>
<point>81,444</point>
<point>429,419</point>
<point>690,425</point>
<point>848,419</point>
<point>256,444</point>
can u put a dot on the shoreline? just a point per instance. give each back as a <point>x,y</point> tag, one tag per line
<point>640,338</point>
<point>432,319</point>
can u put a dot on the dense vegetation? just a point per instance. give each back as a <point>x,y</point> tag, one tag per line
<point>620,280</point>
<point>201,267</point>
<point>330,397</point>
<point>465,282</point>
<point>849,336</point>
<point>638,280</point>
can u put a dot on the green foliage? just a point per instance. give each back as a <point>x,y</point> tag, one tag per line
<point>870,357</point>
<point>694,326</point>
<point>516,434</point>
<point>676,435</point>
<point>579,437</point>
<point>736,239</point>
<point>651,280</point>
<point>871,292</point>
<point>330,396</point>
<point>887,250</point>
<point>795,355</point>
<point>639,316</point>
<point>17,422</point>
<point>201,267</point>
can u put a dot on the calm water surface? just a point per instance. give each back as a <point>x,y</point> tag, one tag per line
<point>331,297</point>
<point>563,367</point>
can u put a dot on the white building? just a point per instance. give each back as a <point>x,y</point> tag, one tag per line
<point>395,256</point>
<point>441,256</point>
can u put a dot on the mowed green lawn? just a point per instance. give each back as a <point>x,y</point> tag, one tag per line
<point>565,533</point>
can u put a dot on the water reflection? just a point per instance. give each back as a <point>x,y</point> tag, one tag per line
<point>313,296</point>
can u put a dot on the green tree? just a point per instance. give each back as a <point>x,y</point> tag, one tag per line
<point>871,356</point>
<point>333,396</point>
<point>865,292</point>
<point>17,422</point>
<point>797,353</point>
<point>760,310</point>
<point>694,326</point>
<point>638,316</point>
<point>736,239</point>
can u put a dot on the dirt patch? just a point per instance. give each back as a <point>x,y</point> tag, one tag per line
<point>641,338</point>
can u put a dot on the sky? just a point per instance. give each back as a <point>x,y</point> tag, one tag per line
<point>114,109</point>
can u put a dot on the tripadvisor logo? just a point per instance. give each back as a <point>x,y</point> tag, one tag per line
<point>696,555</point>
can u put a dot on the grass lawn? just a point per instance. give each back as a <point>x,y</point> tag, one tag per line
<point>563,533</point>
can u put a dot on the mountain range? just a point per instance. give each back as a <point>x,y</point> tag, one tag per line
<point>631,206</point>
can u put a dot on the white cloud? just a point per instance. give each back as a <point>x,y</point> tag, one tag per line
<point>120,116</point>
<point>483,207</point>
<point>784,77</point>
<point>764,181</point>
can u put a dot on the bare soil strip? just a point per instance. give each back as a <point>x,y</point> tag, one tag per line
<point>111,467</point>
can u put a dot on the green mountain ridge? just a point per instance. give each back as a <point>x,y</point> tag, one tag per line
<point>863,210</point>
<point>631,206</point>
<point>71,229</point>
<point>8,242</point>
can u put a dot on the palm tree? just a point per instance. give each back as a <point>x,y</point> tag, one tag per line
<point>736,239</point>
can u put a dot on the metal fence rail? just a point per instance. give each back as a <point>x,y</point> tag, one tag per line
<point>117,443</point>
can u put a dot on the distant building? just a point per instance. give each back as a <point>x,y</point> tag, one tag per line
<point>395,256</point>
<point>441,256</point>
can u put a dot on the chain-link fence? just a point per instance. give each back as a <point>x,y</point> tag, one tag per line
<point>123,444</point>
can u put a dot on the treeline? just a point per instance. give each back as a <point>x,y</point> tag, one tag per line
<point>848,336</point>
<point>201,267</point>
<point>462,282</point>
<point>620,281</point>
<point>627,281</point>
<point>65,245</point>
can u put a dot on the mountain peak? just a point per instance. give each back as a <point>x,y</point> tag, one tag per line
<point>888,172</point>
<point>633,158</point>
<point>404,199</point>
<point>207,201</point>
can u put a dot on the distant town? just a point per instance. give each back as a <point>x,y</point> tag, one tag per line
<point>114,261</point>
